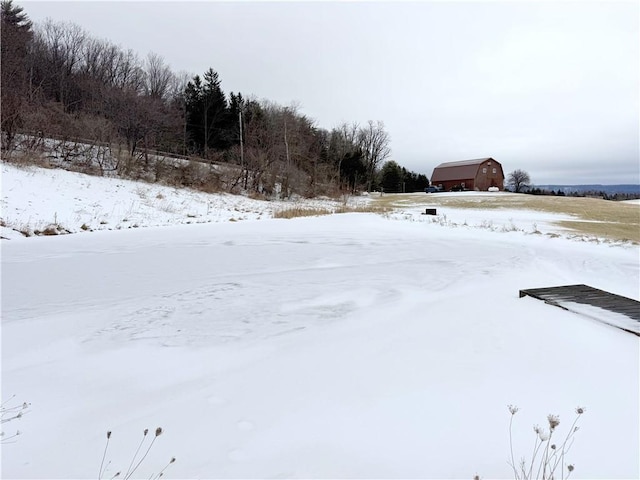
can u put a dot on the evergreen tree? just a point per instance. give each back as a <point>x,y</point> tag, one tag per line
<point>391,177</point>
<point>236,103</point>
<point>215,112</point>
<point>413,182</point>
<point>353,170</point>
<point>14,16</point>
<point>194,111</point>
<point>422,182</point>
<point>15,38</point>
<point>208,117</point>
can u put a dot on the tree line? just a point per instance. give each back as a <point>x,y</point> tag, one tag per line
<point>519,181</point>
<point>58,81</point>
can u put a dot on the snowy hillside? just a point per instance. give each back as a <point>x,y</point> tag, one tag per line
<point>342,346</point>
<point>35,198</point>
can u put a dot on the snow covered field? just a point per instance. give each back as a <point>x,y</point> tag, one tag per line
<point>343,346</point>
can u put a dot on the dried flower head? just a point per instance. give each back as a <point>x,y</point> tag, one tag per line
<point>158,431</point>
<point>173,459</point>
<point>553,446</point>
<point>580,410</point>
<point>108,434</point>
<point>544,436</point>
<point>570,468</point>
<point>554,421</point>
<point>146,430</point>
<point>513,409</point>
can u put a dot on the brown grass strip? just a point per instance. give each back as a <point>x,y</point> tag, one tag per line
<point>295,212</point>
<point>593,216</point>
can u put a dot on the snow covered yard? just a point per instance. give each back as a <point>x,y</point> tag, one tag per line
<point>344,346</point>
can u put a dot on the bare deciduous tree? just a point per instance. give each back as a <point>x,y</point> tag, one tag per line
<point>158,76</point>
<point>374,143</point>
<point>64,43</point>
<point>518,180</point>
<point>128,72</point>
<point>176,91</point>
<point>346,140</point>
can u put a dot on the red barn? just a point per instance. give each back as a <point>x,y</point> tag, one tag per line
<point>478,174</point>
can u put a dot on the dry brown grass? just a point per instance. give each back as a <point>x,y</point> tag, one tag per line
<point>368,208</point>
<point>301,211</point>
<point>594,217</point>
<point>26,159</point>
<point>295,212</point>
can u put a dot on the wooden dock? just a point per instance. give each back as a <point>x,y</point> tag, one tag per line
<point>586,295</point>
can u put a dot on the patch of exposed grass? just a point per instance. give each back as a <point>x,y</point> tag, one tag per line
<point>369,208</point>
<point>294,212</point>
<point>301,212</point>
<point>48,231</point>
<point>615,231</point>
<point>593,216</point>
<point>25,159</point>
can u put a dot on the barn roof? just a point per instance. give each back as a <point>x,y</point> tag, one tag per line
<point>462,170</point>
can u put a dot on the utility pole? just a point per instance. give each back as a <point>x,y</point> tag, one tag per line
<point>184,131</point>
<point>206,132</point>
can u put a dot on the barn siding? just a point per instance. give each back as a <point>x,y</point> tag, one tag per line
<point>471,173</point>
<point>489,179</point>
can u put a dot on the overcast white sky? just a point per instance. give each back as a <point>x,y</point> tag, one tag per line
<point>549,87</point>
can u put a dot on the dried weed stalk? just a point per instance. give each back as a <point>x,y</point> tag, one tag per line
<point>9,413</point>
<point>137,459</point>
<point>548,457</point>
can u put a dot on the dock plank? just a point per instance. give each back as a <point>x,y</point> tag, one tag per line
<point>564,296</point>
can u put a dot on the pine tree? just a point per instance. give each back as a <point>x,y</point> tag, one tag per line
<point>14,16</point>
<point>232,127</point>
<point>353,170</point>
<point>391,177</point>
<point>215,112</point>
<point>209,122</point>
<point>15,38</point>
<point>194,106</point>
